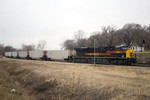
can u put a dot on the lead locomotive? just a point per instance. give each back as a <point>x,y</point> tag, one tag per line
<point>115,55</point>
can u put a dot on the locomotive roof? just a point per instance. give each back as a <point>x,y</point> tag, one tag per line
<point>104,48</point>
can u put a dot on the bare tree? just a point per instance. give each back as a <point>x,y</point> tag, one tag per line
<point>29,47</point>
<point>41,45</point>
<point>97,37</point>
<point>88,42</point>
<point>108,35</point>
<point>148,28</point>
<point>68,44</point>
<point>128,34</point>
<point>104,38</point>
<point>80,39</point>
<point>147,38</point>
<point>79,35</point>
<point>1,49</point>
<point>140,35</point>
<point>9,48</point>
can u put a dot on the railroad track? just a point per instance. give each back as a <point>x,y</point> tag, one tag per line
<point>142,64</point>
<point>103,64</point>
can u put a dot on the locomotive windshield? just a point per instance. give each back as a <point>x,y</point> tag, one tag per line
<point>124,48</point>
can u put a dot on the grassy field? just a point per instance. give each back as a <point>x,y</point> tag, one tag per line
<point>39,80</point>
<point>143,57</point>
<point>6,85</point>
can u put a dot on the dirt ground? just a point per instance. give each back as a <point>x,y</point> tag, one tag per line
<point>41,80</point>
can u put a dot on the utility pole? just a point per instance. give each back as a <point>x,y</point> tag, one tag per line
<point>94,51</point>
<point>143,50</point>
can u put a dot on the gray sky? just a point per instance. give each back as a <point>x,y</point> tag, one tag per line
<point>28,21</point>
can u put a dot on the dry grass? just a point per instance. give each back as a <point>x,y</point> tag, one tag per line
<point>52,80</point>
<point>143,57</point>
<point>6,85</point>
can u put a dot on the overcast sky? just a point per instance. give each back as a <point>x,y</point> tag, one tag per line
<point>28,21</point>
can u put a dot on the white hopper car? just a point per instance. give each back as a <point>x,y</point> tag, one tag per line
<point>9,54</point>
<point>14,54</point>
<point>6,54</point>
<point>35,54</point>
<point>23,54</point>
<point>59,55</point>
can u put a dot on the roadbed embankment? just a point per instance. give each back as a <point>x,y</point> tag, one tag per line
<point>58,80</point>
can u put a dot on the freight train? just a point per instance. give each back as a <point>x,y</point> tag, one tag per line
<point>107,55</point>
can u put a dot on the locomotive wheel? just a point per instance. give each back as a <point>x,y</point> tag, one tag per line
<point>74,61</point>
<point>109,61</point>
<point>128,62</point>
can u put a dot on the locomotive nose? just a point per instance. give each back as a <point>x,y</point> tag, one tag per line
<point>131,54</point>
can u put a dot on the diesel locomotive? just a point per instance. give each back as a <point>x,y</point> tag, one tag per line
<point>109,55</point>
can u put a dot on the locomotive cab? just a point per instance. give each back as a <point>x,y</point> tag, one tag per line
<point>130,56</point>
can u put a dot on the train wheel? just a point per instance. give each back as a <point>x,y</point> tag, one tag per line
<point>109,61</point>
<point>128,62</point>
<point>74,61</point>
<point>117,62</point>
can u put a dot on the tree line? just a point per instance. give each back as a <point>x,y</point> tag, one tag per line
<point>130,34</point>
<point>25,47</point>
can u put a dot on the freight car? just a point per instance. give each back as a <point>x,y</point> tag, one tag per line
<point>14,54</point>
<point>8,54</point>
<point>35,54</point>
<point>59,55</point>
<point>23,54</point>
